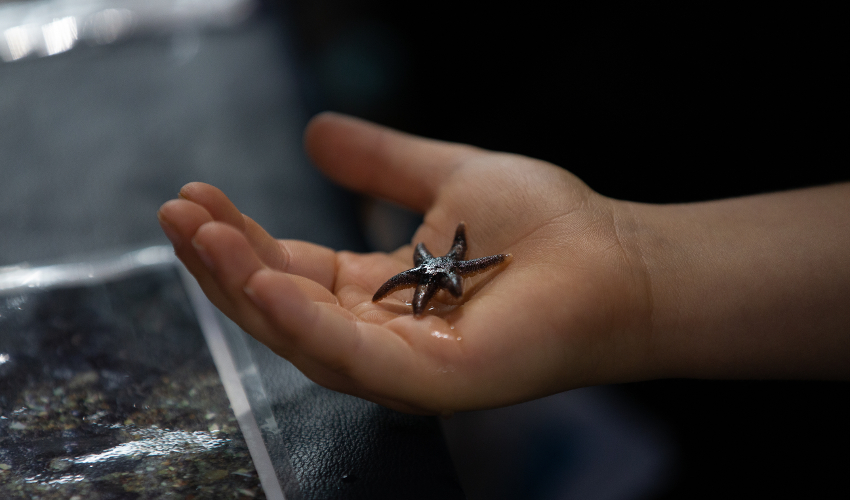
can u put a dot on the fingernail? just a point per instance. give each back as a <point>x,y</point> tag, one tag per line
<point>203,255</point>
<point>169,230</point>
<point>251,294</point>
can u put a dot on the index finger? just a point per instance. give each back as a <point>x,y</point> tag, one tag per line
<point>200,203</point>
<point>309,260</point>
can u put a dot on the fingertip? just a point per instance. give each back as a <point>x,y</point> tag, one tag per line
<point>203,254</point>
<point>325,119</point>
<point>321,118</point>
<point>331,137</point>
<point>179,219</point>
<point>257,289</point>
<point>186,192</point>
<point>214,201</point>
<point>167,209</point>
<point>226,241</point>
<point>317,130</point>
<point>170,231</point>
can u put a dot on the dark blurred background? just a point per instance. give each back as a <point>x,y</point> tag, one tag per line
<point>647,101</point>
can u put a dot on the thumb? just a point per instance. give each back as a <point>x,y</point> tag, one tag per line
<point>380,161</point>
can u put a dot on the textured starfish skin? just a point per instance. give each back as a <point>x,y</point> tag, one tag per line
<point>433,273</point>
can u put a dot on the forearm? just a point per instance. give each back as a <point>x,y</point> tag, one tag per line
<point>753,287</point>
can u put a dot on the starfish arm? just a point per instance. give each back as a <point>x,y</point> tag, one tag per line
<point>421,254</point>
<point>401,280</point>
<point>424,292</point>
<point>475,266</point>
<point>458,250</point>
<point>452,282</point>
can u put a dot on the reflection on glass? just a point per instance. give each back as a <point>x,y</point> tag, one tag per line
<point>59,35</point>
<point>109,25</point>
<point>18,42</point>
<point>47,27</point>
<point>157,442</point>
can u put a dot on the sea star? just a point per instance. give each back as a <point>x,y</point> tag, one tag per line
<point>432,273</point>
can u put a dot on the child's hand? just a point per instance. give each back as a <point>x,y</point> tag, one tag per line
<point>597,291</point>
<point>570,309</point>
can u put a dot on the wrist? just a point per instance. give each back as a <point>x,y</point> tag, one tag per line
<point>752,287</point>
<point>634,343</point>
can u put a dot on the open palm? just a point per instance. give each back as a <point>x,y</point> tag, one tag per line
<point>545,322</point>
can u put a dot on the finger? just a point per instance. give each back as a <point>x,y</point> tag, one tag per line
<point>380,161</point>
<point>231,261</point>
<point>309,260</point>
<point>322,340</point>
<point>221,209</point>
<point>312,261</point>
<point>310,330</point>
<point>304,259</point>
<point>326,337</point>
<point>215,202</point>
<point>180,220</point>
<point>335,349</point>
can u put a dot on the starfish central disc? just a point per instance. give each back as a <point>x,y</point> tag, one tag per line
<point>431,274</point>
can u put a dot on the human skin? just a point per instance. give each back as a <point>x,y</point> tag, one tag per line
<point>598,290</point>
